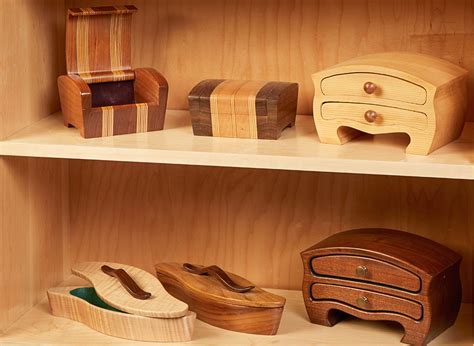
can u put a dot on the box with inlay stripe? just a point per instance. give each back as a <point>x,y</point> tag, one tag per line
<point>242,109</point>
<point>101,94</point>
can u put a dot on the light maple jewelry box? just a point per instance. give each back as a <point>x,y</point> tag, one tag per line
<point>420,95</point>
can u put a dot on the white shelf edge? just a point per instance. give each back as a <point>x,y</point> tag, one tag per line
<point>34,142</point>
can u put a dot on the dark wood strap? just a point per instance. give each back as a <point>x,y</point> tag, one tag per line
<point>127,282</point>
<point>219,274</point>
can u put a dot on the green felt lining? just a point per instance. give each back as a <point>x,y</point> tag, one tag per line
<point>89,295</point>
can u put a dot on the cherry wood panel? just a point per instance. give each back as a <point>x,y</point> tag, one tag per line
<point>291,39</point>
<point>33,210</point>
<point>252,222</point>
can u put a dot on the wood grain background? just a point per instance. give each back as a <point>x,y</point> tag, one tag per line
<point>32,40</point>
<point>289,40</point>
<point>32,213</point>
<point>251,222</point>
<point>33,232</point>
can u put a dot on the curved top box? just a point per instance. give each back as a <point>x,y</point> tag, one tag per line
<point>416,94</point>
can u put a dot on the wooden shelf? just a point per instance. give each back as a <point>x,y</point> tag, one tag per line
<point>39,326</point>
<point>298,149</point>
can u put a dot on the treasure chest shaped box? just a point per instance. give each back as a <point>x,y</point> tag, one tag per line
<point>242,109</point>
<point>102,95</point>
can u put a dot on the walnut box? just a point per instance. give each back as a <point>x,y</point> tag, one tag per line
<point>381,274</point>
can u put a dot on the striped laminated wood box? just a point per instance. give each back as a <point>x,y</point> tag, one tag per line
<point>242,109</point>
<point>102,95</point>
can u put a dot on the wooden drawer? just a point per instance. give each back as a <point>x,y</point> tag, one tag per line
<point>365,269</point>
<point>386,118</point>
<point>383,87</point>
<point>367,300</point>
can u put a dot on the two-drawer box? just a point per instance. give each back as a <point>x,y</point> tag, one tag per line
<point>422,96</point>
<point>379,274</point>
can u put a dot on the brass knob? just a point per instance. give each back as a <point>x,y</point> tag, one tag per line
<point>371,116</point>
<point>362,302</point>
<point>362,271</point>
<point>370,88</point>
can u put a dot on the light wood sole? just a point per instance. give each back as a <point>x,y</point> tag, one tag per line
<point>118,324</point>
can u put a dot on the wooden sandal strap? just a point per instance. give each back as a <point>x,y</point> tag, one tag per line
<point>127,282</point>
<point>218,273</point>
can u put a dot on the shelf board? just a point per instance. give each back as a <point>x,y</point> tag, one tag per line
<point>298,149</point>
<point>38,326</point>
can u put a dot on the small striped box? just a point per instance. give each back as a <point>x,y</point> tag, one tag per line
<point>242,109</point>
<point>102,95</point>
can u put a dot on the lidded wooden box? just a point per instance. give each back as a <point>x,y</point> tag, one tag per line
<point>381,274</point>
<point>416,94</point>
<point>242,109</point>
<point>223,299</point>
<point>101,94</point>
<point>124,302</point>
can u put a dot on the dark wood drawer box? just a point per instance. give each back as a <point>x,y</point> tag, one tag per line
<point>380,274</point>
<point>366,269</point>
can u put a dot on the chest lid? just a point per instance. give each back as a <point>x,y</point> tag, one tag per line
<point>210,288</point>
<point>159,304</point>
<point>98,43</point>
<point>242,97</point>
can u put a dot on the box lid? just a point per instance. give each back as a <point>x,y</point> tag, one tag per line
<point>211,289</point>
<point>226,96</point>
<point>159,304</point>
<point>98,43</point>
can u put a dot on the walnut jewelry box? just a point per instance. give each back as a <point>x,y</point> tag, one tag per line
<point>386,275</point>
<point>101,94</point>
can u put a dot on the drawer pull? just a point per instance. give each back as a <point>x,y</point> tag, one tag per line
<point>362,302</point>
<point>371,116</point>
<point>370,88</point>
<point>362,271</point>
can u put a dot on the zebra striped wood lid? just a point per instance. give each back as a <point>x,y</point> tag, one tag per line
<point>243,109</point>
<point>98,43</point>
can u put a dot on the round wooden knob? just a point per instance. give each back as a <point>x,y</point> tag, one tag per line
<point>362,302</point>
<point>362,271</point>
<point>371,116</point>
<point>370,87</point>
